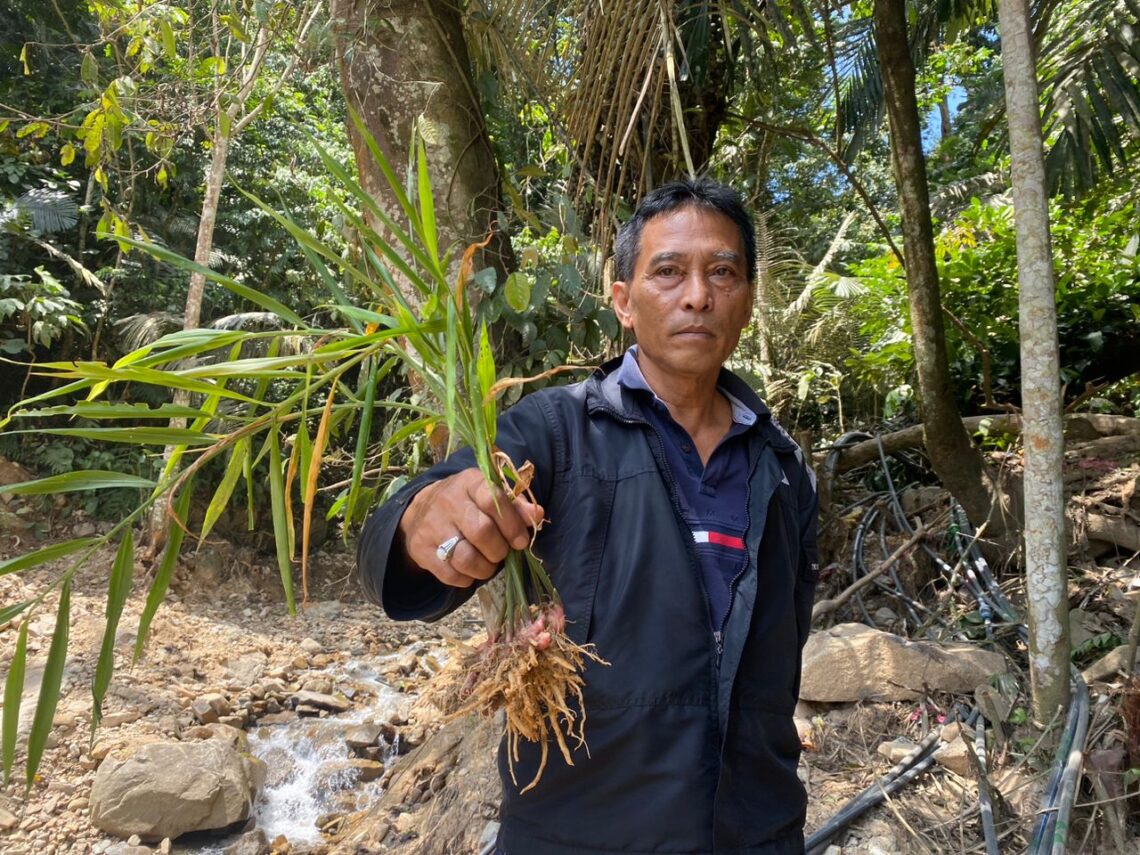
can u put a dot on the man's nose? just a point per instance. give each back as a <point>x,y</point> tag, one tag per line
<point>697,294</point>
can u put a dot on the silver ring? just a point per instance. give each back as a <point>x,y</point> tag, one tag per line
<point>446,549</point>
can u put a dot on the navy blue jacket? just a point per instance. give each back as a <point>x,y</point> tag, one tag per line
<point>691,747</point>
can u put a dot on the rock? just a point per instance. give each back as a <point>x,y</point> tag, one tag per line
<point>165,789</point>
<point>120,718</point>
<point>128,849</point>
<point>232,736</point>
<point>278,718</point>
<point>134,840</point>
<point>852,662</point>
<point>955,731</point>
<point>321,701</point>
<point>248,669</point>
<point>955,757</point>
<point>311,646</point>
<point>251,843</point>
<point>210,707</point>
<point>322,684</point>
<point>407,664</point>
<point>363,735</point>
<point>8,820</point>
<point>896,749</point>
<point>404,823</point>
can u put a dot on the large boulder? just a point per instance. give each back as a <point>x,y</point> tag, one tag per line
<point>853,662</point>
<point>166,789</point>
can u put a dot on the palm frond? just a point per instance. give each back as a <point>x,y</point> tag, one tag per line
<point>952,198</point>
<point>1090,70</point>
<point>48,211</point>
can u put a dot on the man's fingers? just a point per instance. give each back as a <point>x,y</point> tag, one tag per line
<point>513,518</point>
<point>470,563</point>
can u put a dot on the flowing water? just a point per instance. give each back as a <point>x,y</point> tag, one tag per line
<point>299,788</point>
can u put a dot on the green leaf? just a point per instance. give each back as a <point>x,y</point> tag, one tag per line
<point>165,570</point>
<point>280,517</point>
<point>244,291</point>
<point>517,291</point>
<point>427,204</point>
<point>101,411</point>
<point>134,435</point>
<point>486,367</point>
<point>9,612</point>
<point>118,589</point>
<point>226,488</point>
<point>49,684</point>
<point>13,692</point>
<point>486,280</point>
<point>48,553</point>
<point>69,482</point>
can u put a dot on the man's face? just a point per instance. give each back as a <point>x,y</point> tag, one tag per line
<point>688,298</point>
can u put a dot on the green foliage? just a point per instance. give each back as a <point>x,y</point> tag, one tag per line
<point>35,312</point>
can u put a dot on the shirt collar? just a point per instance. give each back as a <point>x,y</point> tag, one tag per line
<point>629,375</point>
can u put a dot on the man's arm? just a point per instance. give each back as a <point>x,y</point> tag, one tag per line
<point>396,554</point>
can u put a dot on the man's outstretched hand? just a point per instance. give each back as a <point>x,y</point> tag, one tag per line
<point>464,505</point>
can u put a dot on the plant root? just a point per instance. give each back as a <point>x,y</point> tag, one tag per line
<point>534,676</point>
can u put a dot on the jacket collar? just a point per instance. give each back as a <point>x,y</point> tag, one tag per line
<point>605,393</point>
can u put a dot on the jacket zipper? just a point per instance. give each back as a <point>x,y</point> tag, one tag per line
<point>719,633</point>
<point>694,564</point>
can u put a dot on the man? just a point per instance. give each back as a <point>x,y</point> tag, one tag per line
<point>681,537</point>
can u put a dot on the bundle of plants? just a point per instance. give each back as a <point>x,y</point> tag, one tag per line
<point>527,666</point>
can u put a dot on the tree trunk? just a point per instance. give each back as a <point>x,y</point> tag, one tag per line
<point>404,67</point>
<point>955,459</point>
<point>1045,563</point>
<point>214,179</point>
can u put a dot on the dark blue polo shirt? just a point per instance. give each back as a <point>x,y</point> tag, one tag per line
<point>713,497</point>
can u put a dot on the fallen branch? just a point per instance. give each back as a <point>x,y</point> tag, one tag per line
<point>824,607</point>
<point>1082,426</point>
<point>1114,530</point>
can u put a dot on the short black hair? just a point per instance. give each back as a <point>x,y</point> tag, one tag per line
<point>697,192</point>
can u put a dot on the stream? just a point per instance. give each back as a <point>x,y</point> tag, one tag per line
<point>299,787</point>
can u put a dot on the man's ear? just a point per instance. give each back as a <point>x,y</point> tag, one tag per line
<point>620,292</point>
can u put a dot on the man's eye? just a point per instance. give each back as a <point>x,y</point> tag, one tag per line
<point>667,271</point>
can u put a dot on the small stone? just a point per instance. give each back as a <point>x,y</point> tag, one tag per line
<point>955,757</point>
<point>251,843</point>
<point>311,646</point>
<point>896,749</point>
<point>404,823</point>
<point>956,730</point>
<point>301,663</point>
<point>8,820</point>
<point>283,717</point>
<point>320,700</point>
<point>78,804</point>
<point>134,840</point>
<point>120,718</point>
<point>319,683</point>
<point>210,707</point>
<point>165,847</point>
<point>363,735</point>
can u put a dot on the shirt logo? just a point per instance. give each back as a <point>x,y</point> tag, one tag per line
<point>718,539</point>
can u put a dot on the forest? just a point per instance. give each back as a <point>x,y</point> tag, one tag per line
<point>262,262</point>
